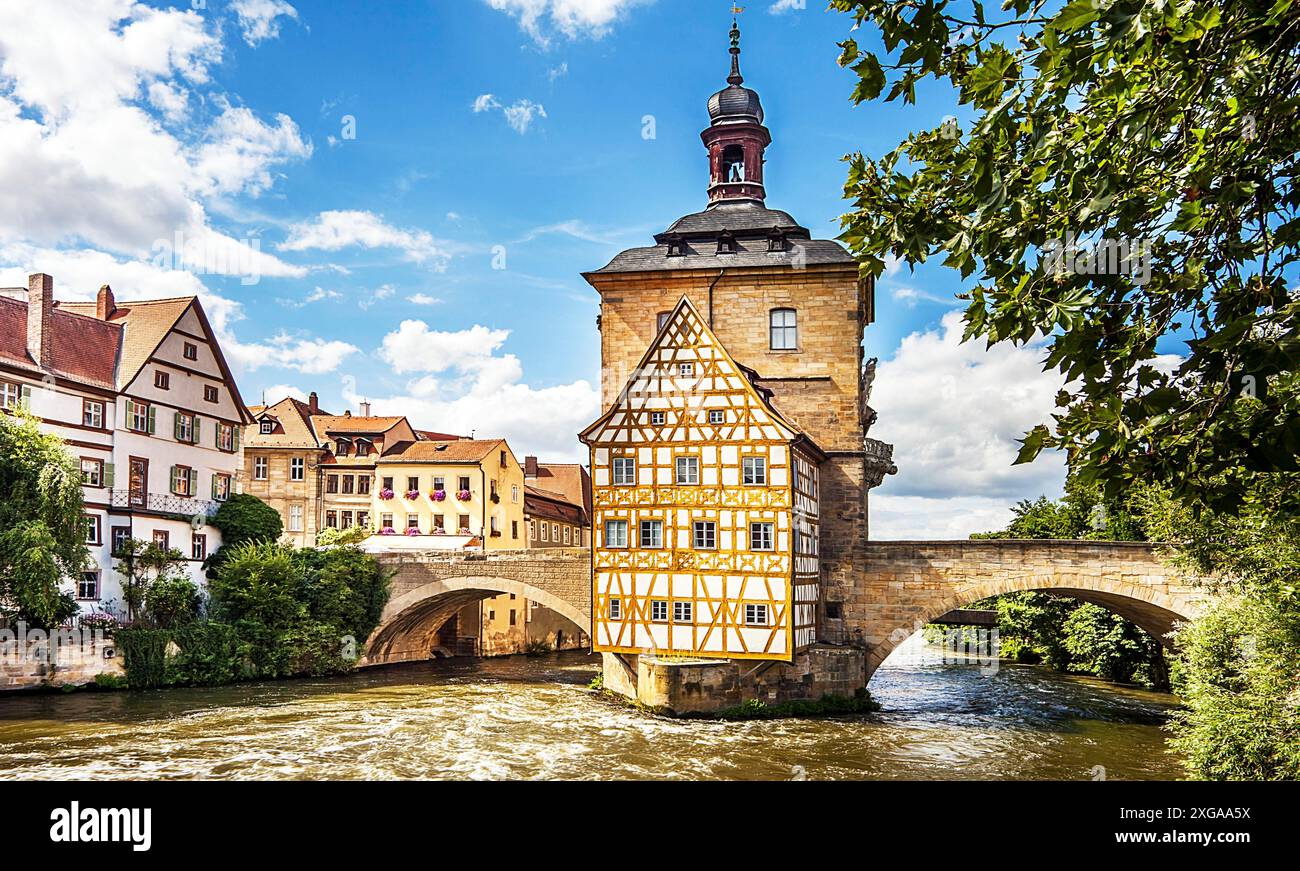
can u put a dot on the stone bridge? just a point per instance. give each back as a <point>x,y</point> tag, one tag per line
<point>901,586</point>
<point>430,586</point>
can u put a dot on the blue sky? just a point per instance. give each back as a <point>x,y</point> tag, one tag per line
<point>388,157</point>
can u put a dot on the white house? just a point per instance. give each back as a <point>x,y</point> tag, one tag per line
<point>142,395</point>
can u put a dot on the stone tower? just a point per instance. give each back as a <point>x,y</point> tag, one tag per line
<point>789,307</point>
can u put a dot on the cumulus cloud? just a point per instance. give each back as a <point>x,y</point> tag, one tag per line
<point>520,115</point>
<point>574,19</point>
<point>954,413</point>
<point>464,382</point>
<point>423,299</point>
<point>259,20</point>
<point>336,230</point>
<point>310,356</point>
<point>278,392</point>
<point>782,6</point>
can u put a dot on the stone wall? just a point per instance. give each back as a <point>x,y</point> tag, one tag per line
<point>73,665</point>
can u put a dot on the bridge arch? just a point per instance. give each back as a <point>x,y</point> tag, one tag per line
<point>427,592</point>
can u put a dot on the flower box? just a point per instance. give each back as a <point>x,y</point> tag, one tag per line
<point>388,530</point>
<point>438,495</point>
<point>386,494</point>
<point>412,494</point>
<point>414,531</point>
<point>463,495</point>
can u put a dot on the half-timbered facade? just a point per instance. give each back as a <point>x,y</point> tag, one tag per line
<point>705,502</point>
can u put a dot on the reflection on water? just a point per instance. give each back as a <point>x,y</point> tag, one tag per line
<point>533,718</point>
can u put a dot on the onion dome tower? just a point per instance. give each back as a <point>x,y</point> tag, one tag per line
<point>736,137</point>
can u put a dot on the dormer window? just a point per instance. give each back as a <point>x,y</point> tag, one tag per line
<point>267,426</point>
<point>342,447</point>
<point>776,240</point>
<point>727,242</point>
<point>676,245</point>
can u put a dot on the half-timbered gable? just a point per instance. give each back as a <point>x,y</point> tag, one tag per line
<point>705,508</point>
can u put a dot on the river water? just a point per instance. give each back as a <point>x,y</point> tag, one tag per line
<point>534,718</point>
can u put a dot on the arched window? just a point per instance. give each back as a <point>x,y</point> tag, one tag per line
<point>785,329</point>
<point>733,163</point>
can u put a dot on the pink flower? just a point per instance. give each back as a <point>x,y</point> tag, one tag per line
<point>414,531</point>
<point>388,530</point>
<point>386,494</point>
<point>438,495</point>
<point>463,495</point>
<point>412,494</point>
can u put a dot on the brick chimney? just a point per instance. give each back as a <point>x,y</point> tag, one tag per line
<point>105,305</point>
<point>530,467</point>
<point>313,402</point>
<point>40,312</point>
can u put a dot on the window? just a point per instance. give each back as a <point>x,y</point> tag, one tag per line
<point>514,529</point>
<point>183,479</point>
<point>267,427</point>
<point>210,393</point>
<point>616,609</point>
<point>682,612</point>
<point>363,519</point>
<point>658,610</point>
<point>546,532</point>
<point>342,447</point>
<point>88,586</point>
<point>566,534</point>
<point>92,413</point>
<point>92,473</point>
<point>226,440</point>
<point>462,521</point>
<point>686,370</point>
<point>706,535</point>
<point>835,610</point>
<point>503,459</point>
<point>555,533</point>
<point>412,485</point>
<point>331,483</point>
<point>661,319</point>
<point>297,467</point>
<point>295,518</point>
<point>331,520</point>
<point>139,416</point>
<point>413,521</point>
<point>439,485</point>
<point>652,533</point>
<point>10,394</point>
<point>388,484</point>
<point>532,531</point>
<point>463,483</point>
<point>760,536</point>
<point>716,416</point>
<point>349,485</point>
<point>495,523</point>
<point>657,418</point>
<point>755,615</point>
<point>688,470</point>
<point>512,616</point>
<point>785,330</point>
<point>260,470</point>
<point>363,449</point>
<point>92,529</point>
<point>514,493</point>
<point>363,485</point>
<point>385,521</point>
<point>121,535</point>
<point>624,471</point>
<point>185,428</point>
<point>162,380</point>
<point>615,533</point>
<point>198,546</point>
<point>221,487</point>
<point>191,351</point>
<point>162,539</point>
<point>346,520</point>
<point>754,470</point>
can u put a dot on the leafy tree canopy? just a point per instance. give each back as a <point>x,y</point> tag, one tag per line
<point>1169,124</point>
<point>245,518</point>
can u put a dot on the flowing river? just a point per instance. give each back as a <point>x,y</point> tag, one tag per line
<point>534,718</point>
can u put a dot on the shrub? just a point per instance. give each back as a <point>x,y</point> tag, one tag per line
<point>172,602</point>
<point>144,654</point>
<point>244,518</point>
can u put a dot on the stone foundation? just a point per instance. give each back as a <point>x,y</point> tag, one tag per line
<point>707,686</point>
<point>75,667</point>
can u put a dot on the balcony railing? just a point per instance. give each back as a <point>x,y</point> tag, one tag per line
<point>163,503</point>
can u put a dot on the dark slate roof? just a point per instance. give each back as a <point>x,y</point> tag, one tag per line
<point>738,217</point>
<point>753,252</point>
<point>734,101</point>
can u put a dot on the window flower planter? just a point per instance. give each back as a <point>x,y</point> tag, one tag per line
<point>388,530</point>
<point>463,495</point>
<point>414,531</point>
<point>412,494</point>
<point>386,495</point>
<point>438,495</point>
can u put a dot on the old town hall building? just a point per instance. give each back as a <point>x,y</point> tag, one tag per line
<point>731,467</point>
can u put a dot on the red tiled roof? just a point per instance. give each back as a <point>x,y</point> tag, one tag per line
<point>145,324</point>
<point>82,348</point>
<point>459,451</point>
<point>553,506</point>
<point>569,481</point>
<point>327,423</point>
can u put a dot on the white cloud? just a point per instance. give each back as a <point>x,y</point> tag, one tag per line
<point>259,19</point>
<point>575,19</point>
<point>895,518</point>
<point>558,72</point>
<point>910,296</point>
<point>311,356</point>
<point>378,295</point>
<point>520,115</point>
<point>465,384</point>
<point>335,230</point>
<point>318,294</point>
<point>954,413</point>
<point>782,6</point>
<point>241,149</point>
<point>423,299</point>
<point>281,391</point>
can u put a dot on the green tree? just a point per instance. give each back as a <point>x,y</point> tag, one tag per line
<point>42,526</point>
<point>243,518</point>
<point>142,565</point>
<point>1168,124</point>
<point>172,601</point>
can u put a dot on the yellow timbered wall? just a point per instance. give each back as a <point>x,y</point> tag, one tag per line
<point>661,589</point>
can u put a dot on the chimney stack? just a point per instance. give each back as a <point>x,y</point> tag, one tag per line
<point>105,305</point>
<point>365,409</point>
<point>40,312</point>
<point>313,402</point>
<point>530,467</point>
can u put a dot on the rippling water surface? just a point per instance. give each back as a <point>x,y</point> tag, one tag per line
<point>533,718</point>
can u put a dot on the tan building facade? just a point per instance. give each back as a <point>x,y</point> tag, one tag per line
<point>283,460</point>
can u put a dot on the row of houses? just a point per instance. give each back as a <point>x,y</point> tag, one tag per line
<point>143,396</point>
